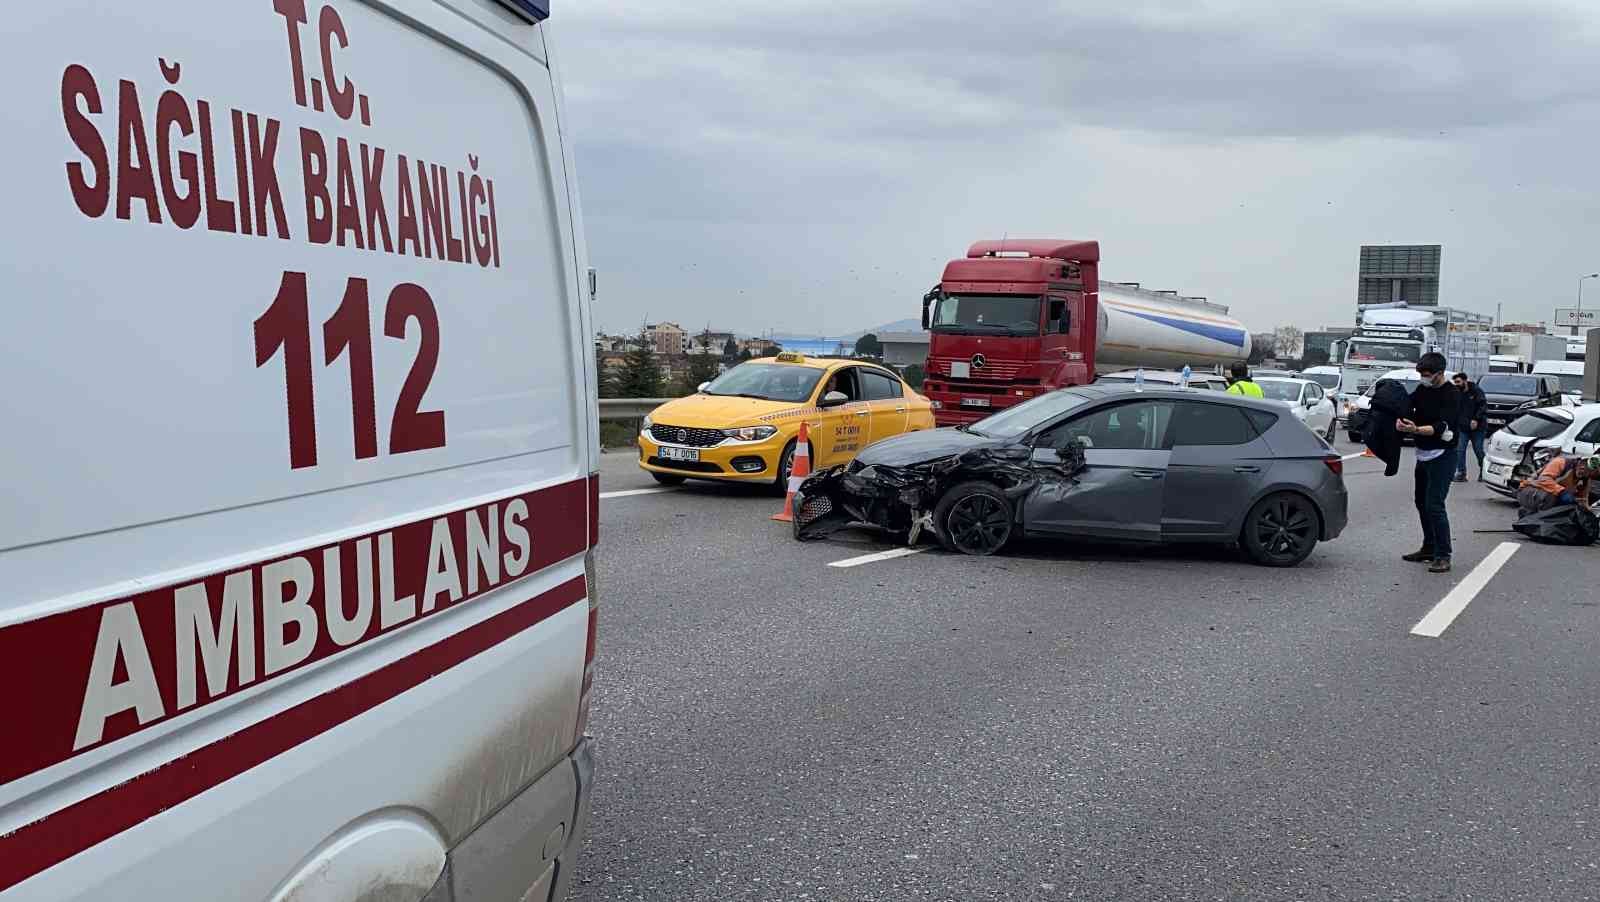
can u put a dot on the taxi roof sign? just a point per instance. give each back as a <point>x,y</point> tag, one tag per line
<point>790,357</point>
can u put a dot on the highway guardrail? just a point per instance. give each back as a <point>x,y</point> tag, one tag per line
<point>621,409</point>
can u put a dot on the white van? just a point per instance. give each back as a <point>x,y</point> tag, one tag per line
<point>299,503</point>
<point>1569,373</point>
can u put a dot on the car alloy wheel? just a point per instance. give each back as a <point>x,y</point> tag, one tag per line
<point>974,519</point>
<point>1281,530</point>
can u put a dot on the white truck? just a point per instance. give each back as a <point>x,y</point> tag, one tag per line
<point>1515,352</point>
<point>299,513</point>
<point>1391,336</point>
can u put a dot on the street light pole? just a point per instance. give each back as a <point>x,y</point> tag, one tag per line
<point>1593,275</point>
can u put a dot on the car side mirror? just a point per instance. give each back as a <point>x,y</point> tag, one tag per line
<point>833,399</point>
<point>703,386</point>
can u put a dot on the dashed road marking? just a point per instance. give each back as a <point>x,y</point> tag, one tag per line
<point>631,492</point>
<point>1448,609</point>
<point>891,554</point>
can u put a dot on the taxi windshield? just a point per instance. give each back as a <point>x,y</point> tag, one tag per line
<point>767,381</point>
<point>1279,389</point>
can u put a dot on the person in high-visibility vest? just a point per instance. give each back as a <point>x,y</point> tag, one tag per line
<point>1239,382</point>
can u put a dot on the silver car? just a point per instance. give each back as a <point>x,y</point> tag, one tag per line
<point>1103,462</point>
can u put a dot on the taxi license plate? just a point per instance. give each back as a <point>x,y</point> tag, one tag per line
<point>669,453</point>
<point>974,402</point>
<point>1497,469</point>
<point>1496,421</point>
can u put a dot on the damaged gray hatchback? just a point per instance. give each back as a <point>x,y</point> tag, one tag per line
<point>1098,462</point>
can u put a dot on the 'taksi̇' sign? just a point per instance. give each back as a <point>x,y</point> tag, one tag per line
<point>173,158</point>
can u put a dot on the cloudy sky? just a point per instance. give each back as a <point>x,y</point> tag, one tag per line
<point>809,167</point>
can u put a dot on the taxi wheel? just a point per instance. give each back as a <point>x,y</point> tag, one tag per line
<point>785,466</point>
<point>668,478</point>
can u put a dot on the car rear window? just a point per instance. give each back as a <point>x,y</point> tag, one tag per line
<point>1538,425</point>
<point>1261,419</point>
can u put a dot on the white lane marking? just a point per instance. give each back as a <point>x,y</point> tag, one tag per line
<point>879,556</point>
<point>631,492</point>
<point>1448,609</point>
<point>1354,456</point>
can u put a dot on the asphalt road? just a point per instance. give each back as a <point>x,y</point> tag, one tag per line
<point>1087,723</point>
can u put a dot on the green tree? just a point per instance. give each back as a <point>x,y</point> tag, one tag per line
<point>702,368</point>
<point>913,376</point>
<point>640,374</point>
<point>744,354</point>
<point>603,380</point>
<point>730,351</point>
<point>868,345</point>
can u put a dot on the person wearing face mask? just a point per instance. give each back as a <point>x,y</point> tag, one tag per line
<point>1432,421</point>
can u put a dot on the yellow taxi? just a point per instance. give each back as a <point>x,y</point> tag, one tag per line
<point>742,426</point>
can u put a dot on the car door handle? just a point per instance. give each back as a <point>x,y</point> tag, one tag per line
<point>899,410</point>
<point>1148,474</point>
<point>862,413</point>
<point>1247,468</point>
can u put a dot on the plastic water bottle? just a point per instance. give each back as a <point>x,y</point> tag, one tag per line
<point>1187,372</point>
<point>1138,380</point>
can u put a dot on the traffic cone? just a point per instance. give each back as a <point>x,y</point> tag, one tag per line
<point>798,471</point>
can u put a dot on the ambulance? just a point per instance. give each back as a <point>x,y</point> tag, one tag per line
<point>298,503</point>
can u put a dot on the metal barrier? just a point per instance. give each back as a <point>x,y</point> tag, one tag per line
<point>623,409</point>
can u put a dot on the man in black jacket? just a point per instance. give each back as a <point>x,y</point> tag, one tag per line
<point>1433,419</point>
<point>1473,407</point>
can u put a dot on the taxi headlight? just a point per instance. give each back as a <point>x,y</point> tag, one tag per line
<point>645,424</point>
<point>750,433</point>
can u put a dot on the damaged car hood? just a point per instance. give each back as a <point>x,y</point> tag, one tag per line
<point>920,447</point>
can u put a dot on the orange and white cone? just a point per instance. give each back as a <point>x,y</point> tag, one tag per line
<point>798,471</point>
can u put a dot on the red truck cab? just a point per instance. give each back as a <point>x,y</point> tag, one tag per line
<point>1011,320</point>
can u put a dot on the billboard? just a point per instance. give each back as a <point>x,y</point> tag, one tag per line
<point>1399,272</point>
<point>1572,316</point>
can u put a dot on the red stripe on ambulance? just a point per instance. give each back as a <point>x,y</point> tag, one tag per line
<point>64,833</point>
<point>124,665</point>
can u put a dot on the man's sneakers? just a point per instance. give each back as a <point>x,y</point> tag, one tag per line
<point>1420,556</point>
<point>1461,477</point>
<point>1439,565</point>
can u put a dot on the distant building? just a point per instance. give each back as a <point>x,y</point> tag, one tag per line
<point>668,338</point>
<point>756,346</point>
<point>1399,272</point>
<point>709,342</point>
<point>902,349</point>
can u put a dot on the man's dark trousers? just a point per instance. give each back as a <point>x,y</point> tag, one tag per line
<point>1433,486</point>
<point>1465,437</point>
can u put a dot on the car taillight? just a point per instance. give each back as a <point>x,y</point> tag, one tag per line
<point>592,591</point>
<point>1335,463</point>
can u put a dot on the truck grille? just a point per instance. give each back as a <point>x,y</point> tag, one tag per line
<point>995,370</point>
<point>686,435</point>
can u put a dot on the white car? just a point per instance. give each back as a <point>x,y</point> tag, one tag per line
<point>1527,443</point>
<point>1306,400</point>
<point>1331,378</point>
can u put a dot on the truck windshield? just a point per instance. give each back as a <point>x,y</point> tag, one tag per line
<point>986,314</point>
<point>1382,352</point>
<point>767,381</point>
<point>1503,384</point>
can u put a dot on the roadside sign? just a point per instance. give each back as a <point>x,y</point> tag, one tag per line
<point>1572,316</point>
